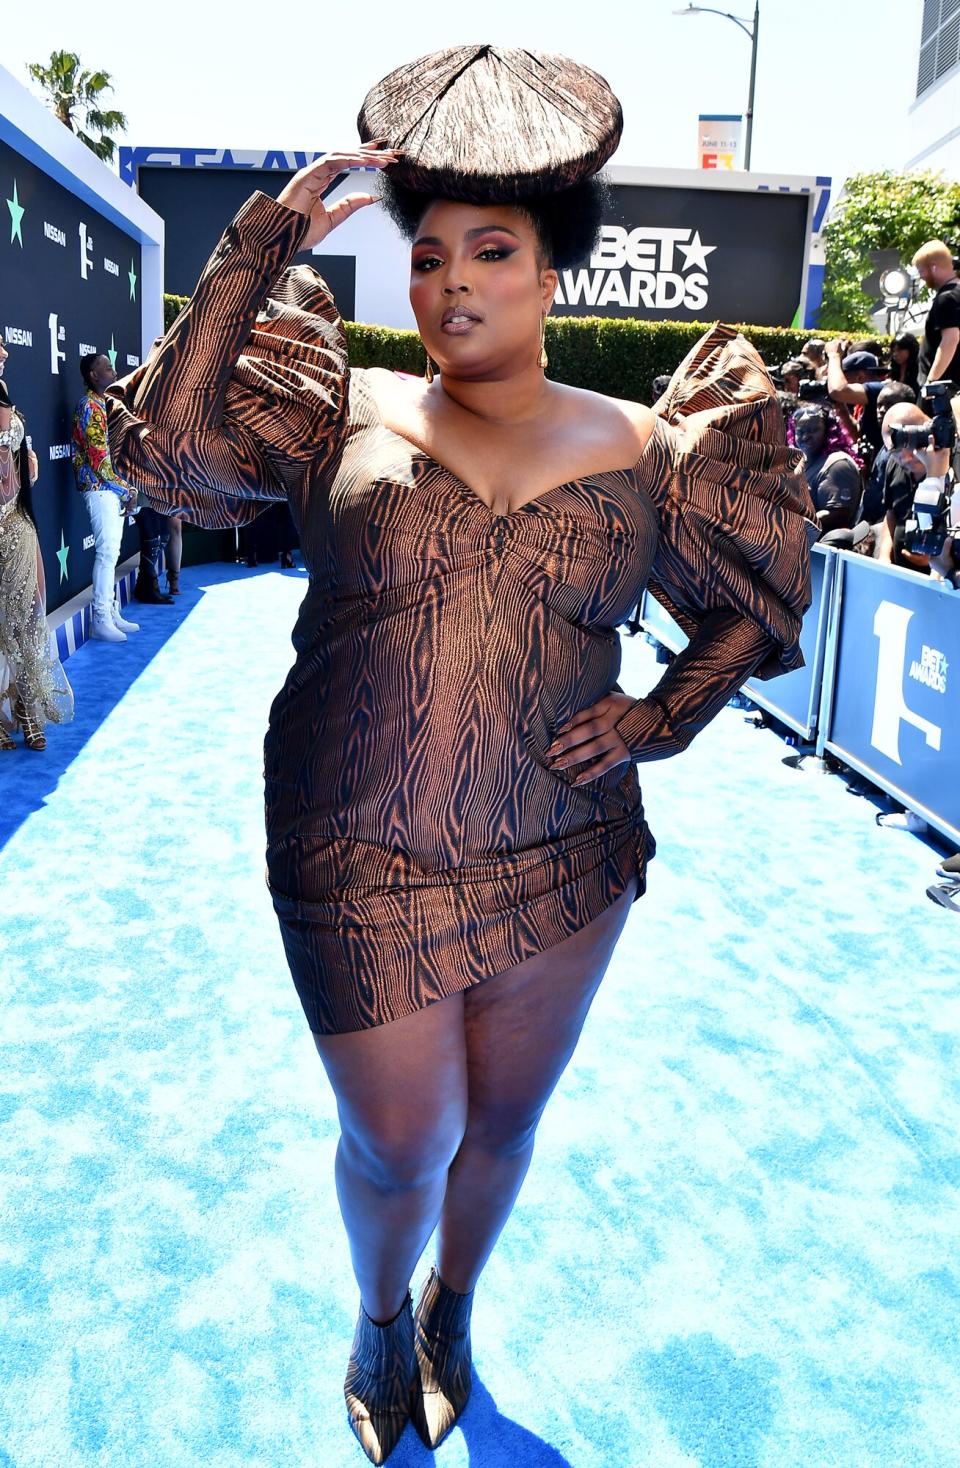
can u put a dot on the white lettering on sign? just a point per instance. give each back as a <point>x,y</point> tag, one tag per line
<point>890,624</point>
<point>59,451</point>
<point>641,267</point>
<point>86,250</point>
<point>17,336</point>
<point>930,669</point>
<point>89,542</point>
<point>132,361</point>
<point>86,350</point>
<point>57,335</point>
<point>58,236</point>
<point>111,266</point>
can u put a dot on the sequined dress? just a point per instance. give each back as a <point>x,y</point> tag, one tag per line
<point>28,673</point>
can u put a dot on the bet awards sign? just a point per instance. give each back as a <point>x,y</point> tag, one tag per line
<point>893,709</point>
<point>70,285</point>
<point>891,625</point>
<point>693,254</point>
<point>659,269</point>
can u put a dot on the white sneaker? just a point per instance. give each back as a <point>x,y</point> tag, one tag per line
<point>103,630</point>
<point>903,820</point>
<point>120,621</point>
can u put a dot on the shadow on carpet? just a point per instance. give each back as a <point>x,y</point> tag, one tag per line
<point>491,1439</point>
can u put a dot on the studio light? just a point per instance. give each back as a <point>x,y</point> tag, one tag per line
<point>895,283</point>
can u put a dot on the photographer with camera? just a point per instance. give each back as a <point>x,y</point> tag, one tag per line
<point>814,354</point>
<point>855,379</point>
<point>792,373</point>
<point>887,478</point>
<point>924,446</point>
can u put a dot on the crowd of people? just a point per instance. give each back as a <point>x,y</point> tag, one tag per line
<point>835,396</point>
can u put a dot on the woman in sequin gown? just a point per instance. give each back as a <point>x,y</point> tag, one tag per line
<point>33,686</point>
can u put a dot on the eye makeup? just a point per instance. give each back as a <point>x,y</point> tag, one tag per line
<point>486,238</point>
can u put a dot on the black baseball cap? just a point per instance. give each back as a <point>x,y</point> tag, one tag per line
<point>863,362</point>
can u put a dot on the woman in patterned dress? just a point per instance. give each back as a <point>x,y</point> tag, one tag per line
<point>33,687</point>
<point>455,834</point>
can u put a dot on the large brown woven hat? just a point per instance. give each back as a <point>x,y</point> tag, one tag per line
<point>492,126</point>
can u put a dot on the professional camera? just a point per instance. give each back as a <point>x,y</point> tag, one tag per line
<point>941,432</point>
<point>929,522</point>
<point>813,392</point>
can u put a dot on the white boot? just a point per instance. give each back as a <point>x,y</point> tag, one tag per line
<point>120,621</point>
<point>102,628</point>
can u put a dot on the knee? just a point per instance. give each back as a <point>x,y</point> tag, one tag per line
<point>401,1158</point>
<point>501,1132</point>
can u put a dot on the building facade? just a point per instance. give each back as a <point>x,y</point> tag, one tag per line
<point>934,116</point>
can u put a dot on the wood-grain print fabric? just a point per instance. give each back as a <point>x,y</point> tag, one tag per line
<point>417,840</point>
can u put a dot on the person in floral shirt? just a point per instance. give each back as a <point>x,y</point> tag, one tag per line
<point>108,497</point>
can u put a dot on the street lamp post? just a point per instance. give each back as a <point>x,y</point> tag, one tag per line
<point>750,29</point>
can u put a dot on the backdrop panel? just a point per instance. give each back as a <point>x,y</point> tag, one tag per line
<point>70,283</point>
<point>691,254</point>
<point>197,204</point>
<point>678,244</point>
<point>892,705</point>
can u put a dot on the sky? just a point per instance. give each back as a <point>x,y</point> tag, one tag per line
<point>251,76</point>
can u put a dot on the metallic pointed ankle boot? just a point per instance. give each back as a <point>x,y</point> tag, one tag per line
<point>380,1380</point>
<point>442,1344</point>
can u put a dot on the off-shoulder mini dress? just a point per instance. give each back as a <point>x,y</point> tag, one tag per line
<point>418,842</point>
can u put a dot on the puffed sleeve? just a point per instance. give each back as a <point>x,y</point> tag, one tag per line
<point>736,525</point>
<point>248,386</point>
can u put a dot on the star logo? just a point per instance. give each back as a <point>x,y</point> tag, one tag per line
<point>62,554</point>
<point>17,212</point>
<point>112,353</point>
<point>132,277</point>
<point>696,253</point>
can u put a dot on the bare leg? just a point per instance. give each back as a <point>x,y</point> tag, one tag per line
<point>175,544</point>
<point>521,1030</point>
<point>401,1092</point>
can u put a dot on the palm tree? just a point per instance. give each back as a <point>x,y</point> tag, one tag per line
<point>75,95</point>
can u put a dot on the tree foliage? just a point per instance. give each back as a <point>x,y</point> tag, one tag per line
<point>880,211</point>
<point>77,96</point>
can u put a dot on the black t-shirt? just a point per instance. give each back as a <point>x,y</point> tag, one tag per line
<point>835,485</point>
<point>944,311</point>
<point>872,505</point>
<point>899,488</point>
<point>869,421</point>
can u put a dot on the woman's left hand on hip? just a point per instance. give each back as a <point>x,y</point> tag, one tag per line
<point>590,735</point>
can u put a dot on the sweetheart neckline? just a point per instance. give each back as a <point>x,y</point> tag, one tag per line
<point>471,493</point>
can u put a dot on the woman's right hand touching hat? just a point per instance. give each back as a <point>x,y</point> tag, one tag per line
<point>304,191</point>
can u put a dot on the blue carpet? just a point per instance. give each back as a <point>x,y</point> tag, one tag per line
<point>737,1247</point>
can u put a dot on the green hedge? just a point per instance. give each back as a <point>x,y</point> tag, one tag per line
<point>620,358</point>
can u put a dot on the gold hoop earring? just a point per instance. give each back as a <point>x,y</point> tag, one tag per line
<point>428,374</point>
<point>543,360</point>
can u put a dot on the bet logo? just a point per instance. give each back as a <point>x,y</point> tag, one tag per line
<point>57,335</point>
<point>86,251</point>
